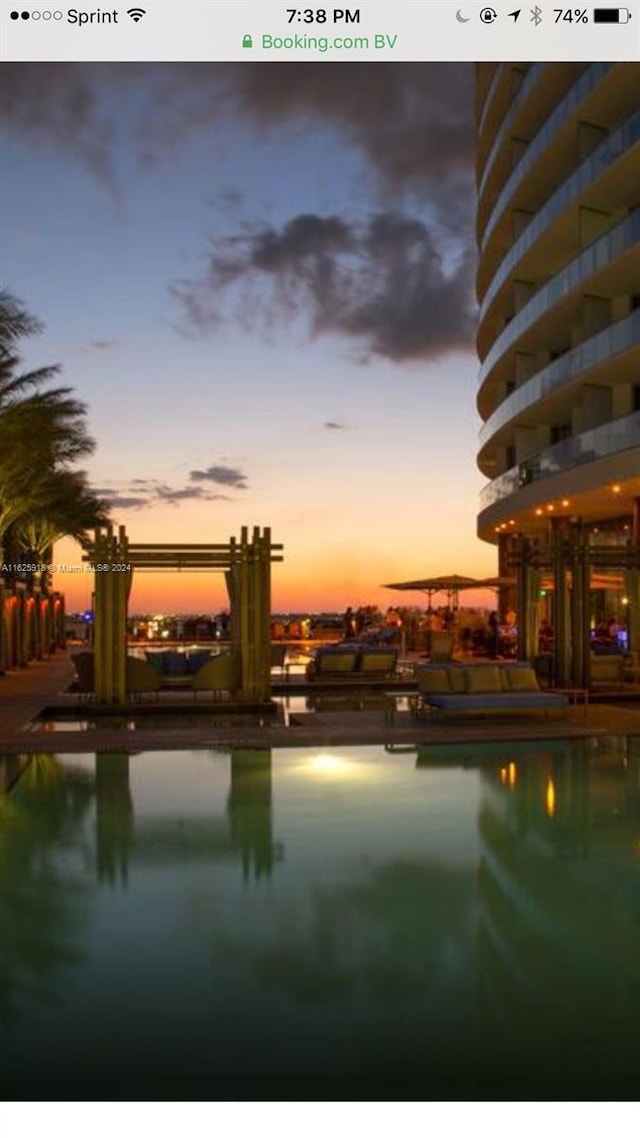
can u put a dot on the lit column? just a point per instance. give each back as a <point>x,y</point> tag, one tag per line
<point>580,581</point>
<point>524,599</point>
<point>3,627</point>
<point>559,606</point>
<point>507,594</point>
<point>633,584</point>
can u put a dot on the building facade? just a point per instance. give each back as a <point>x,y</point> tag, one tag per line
<point>558,229</point>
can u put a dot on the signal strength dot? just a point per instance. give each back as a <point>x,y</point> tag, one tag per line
<point>136,13</point>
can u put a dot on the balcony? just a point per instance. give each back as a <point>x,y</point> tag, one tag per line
<point>600,442</point>
<point>606,345</point>
<point>533,76</point>
<point>598,256</point>
<point>568,195</point>
<point>563,113</point>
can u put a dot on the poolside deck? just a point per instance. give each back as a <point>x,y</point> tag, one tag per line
<point>26,693</point>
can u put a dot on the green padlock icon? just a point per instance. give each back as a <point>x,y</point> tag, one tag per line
<point>247,41</point>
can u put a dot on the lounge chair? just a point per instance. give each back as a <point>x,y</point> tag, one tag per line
<point>221,674</point>
<point>142,678</point>
<point>84,664</point>
<point>441,647</point>
<point>279,657</point>
<point>377,662</point>
<point>329,663</point>
<point>607,669</point>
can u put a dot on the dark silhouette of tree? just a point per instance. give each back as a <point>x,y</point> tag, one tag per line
<point>43,433</point>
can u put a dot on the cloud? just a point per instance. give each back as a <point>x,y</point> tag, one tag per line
<point>382,283</point>
<point>398,284</point>
<point>58,106</point>
<point>154,491</point>
<point>332,425</point>
<point>99,346</point>
<point>413,122</point>
<point>124,502</point>
<point>187,493</point>
<point>222,475</point>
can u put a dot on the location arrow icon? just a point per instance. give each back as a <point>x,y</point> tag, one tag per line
<point>514,15</point>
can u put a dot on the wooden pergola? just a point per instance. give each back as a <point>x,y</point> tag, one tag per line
<point>246,564</point>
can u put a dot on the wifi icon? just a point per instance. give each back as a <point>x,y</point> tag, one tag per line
<point>136,13</point>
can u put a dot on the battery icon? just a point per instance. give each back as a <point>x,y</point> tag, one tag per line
<point>611,15</point>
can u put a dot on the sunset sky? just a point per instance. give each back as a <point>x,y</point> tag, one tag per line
<point>259,278</point>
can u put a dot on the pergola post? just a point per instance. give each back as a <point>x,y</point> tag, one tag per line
<point>264,639</point>
<point>560,620</point>
<point>244,616</point>
<point>523,596</point>
<point>507,594</point>
<point>633,583</point>
<point>110,619</point>
<point>580,581</point>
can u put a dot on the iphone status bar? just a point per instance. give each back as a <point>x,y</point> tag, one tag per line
<point>246,30</point>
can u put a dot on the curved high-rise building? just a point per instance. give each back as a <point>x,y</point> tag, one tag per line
<point>558,229</point>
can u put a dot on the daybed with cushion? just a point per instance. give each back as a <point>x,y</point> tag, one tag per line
<point>485,689</point>
<point>355,662</point>
<point>177,669</point>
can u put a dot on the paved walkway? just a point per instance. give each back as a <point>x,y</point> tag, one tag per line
<point>24,693</point>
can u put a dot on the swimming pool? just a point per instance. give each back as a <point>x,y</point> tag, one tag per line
<point>452,922</point>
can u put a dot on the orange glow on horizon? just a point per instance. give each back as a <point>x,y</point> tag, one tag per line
<point>321,578</point>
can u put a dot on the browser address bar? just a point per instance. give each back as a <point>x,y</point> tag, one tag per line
<point>373,30</point>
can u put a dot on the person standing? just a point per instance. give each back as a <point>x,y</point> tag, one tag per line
<point>493,639</point>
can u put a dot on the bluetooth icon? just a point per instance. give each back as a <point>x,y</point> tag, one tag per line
<point>536,15</point>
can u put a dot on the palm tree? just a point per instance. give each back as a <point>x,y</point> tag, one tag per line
<point>66,507</point>
<point>42,433</point>
<point>17,324</point>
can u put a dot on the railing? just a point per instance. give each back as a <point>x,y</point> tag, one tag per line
<point>600,442</point>
<point>584,84</point>
<point>613,341</point>
<point>615,146</point>
<point>534,74</point>
<point>601,253</point>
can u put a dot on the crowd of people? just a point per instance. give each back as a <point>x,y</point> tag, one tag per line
<point>476,634</point>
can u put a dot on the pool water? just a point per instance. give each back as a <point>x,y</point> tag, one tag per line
<point>453,922</point>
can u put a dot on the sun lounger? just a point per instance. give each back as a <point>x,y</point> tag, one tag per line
<point>222,675</point>
<point>141,678</point>
<point>357,663</point>
<point>485,690</point>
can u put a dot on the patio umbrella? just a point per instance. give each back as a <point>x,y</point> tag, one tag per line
<point>451,584</point>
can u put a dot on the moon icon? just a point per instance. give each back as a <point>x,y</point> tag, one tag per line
<point>462,19</point>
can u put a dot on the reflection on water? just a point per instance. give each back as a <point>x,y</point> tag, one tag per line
<point>454,922</point>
